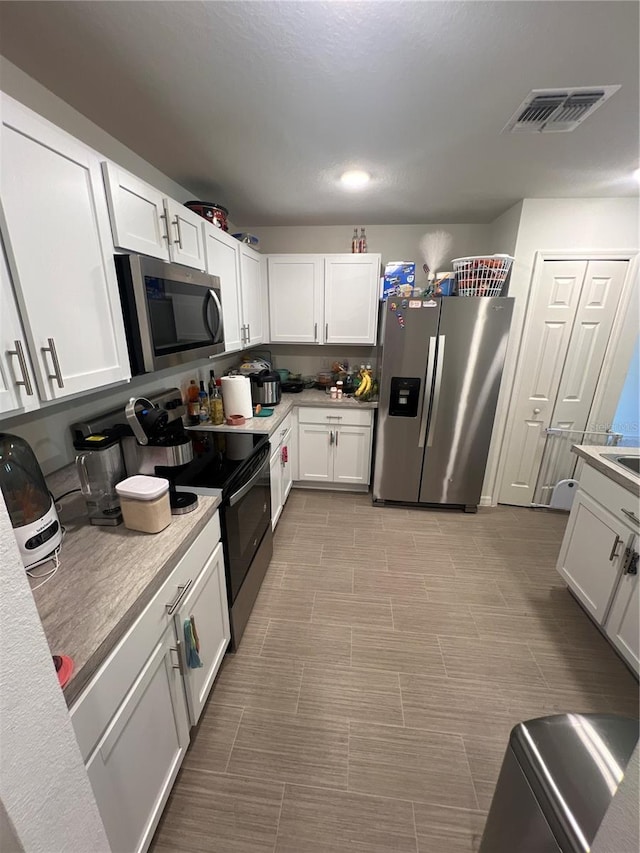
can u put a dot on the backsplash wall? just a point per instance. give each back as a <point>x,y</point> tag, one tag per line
<point>308,360</point>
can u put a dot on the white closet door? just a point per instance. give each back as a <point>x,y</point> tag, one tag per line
<point>549,324</point>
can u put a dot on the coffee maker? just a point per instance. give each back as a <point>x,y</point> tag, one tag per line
<point>153,439</point>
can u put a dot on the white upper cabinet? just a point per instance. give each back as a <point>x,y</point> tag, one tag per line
<point>352,293</point>
<point>251,283</point>
<point>296,298</point>
<point>222,254</point>
<point>138,218</point>
<point>185,235</point>
<point>59,247</point>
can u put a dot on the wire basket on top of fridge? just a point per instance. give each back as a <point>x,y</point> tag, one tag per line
<point>481,275</point>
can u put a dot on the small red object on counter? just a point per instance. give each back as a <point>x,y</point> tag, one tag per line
<point>236,420</point>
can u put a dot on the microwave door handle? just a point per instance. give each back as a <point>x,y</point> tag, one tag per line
<point>242,491</point>
<point>219,328</point>
<point>205,316</point>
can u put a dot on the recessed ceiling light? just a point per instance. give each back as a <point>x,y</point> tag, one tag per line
<point>355,179</point>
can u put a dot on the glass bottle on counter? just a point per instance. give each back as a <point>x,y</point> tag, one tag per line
<point>216,410</point>
<point>355,245</point>
<point>362,242</point>
<point>203,404</point>
<point>193,403</point>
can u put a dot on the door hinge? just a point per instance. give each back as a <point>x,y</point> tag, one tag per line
<point>630,562</point>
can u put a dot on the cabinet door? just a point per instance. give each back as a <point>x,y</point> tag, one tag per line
<point>287,471</point>
<point>206,604</point>
<point>222,254</point>
<point>138,219</point>
<point>295,298</point>
<point>60,253</point>
<point>251,288</point>
<point>134,765</point>
<point>623,622</point>
<point>591,555</point>
<point>185,235</point>
<point>275,470</point>
<point>352,455</point>
<point>315,452</point>
<point>351,288</point>
<point>17,383</point>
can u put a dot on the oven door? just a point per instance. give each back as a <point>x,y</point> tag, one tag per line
<point>173,315</point>
<point>246,516</point>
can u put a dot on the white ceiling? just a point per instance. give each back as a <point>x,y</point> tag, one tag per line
<point>262,105</point>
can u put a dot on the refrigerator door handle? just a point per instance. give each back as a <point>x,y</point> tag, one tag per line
<point>431,361</point>
<point>436,389</point>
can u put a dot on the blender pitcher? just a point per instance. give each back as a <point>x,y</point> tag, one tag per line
<point>100,466</point>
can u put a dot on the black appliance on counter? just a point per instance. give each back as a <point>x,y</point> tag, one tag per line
<point>266,388</point>
<point>236,465</point>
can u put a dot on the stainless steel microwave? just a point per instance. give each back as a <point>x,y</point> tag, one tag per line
<point>172,314</point>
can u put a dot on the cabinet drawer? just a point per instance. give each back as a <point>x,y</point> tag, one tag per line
<point>106,691</point>
<point>336,417</point>
<point>610,495</point>
<point>280,432</point>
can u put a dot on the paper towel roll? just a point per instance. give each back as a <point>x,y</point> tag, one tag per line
<point>236,396</point>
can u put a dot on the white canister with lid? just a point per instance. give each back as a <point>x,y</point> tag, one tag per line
<point>145,503</point>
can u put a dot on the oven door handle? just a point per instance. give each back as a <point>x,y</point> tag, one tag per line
<point>242,491</point>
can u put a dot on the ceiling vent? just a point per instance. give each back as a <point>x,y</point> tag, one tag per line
<point>557,110</point>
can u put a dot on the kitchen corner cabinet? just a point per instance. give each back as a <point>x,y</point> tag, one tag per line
<point>251,287</point>
<point>598,560</point>
<point>222,255</point>
<point>280,469</point>
<point>17,381</point>
<point>145,221</point>
<point>335,448</point>
<point>132,720</point>
<point>324,299</point>
<point>56,234</point>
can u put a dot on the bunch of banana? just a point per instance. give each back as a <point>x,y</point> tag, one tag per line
<point>364,388</point>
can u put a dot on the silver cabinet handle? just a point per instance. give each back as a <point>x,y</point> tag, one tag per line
<point>57,373</point>
<point>22,361</point>
<point>315,331</point>
<point>178,650</point>
<point>630,514</point>
<point>177,224</point>
<point>248,333</point>
<point>337,435</point>
<point>182,591</point>
<point>331,439</point>
<point>165,227</point>
<point>326,332</point>
<point>614,548</point>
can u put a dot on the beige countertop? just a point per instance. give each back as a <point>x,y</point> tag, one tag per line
<point>107,575</point>
<point>599,458</point>
<point>310,398</point>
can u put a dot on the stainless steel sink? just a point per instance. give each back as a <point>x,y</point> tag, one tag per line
<point>631,463</point>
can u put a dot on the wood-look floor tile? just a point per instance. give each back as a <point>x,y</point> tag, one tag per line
<point>351,610</point>
<point>462,707</point>
<point>274,575</point>
<point>337,577</point>
<point>485,760</point>
<point>525,703</point>
<point>597,669</point>
<point>211,744</point>
<point>376,583</point>
<point>430,618</point>
<point>409,764</point>
<point>352,693</point>
<point>455,826</point>
<point>308,641</point>
<point>318,535</point>
<point>295,553</point>
<point>279,603</point>
<point>213,813</point>
<point>396,652</point>
<point>257,682</point>
<point>314,820</point>
<point>439,565</point>
<point>291,748</point>
<point>501,624</point>
<point>472,590</point>
<point>362,554</point>
<point>253,636</point>
<point>491,660</point>
<point>454,546</point>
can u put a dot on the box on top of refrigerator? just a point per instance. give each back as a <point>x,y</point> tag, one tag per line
<point>399,278</point>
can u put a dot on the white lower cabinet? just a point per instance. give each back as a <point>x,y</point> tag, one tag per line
<point>135,764</point>
<point>280,469</point>
<point>599,560</point>
<point>132,720</point>
<point>205,604</point>
<point>335,448</point>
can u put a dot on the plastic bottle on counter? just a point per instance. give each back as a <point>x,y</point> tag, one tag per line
<point>193,403</point>
<point>355,244</point>
<point>362,242</point>
<point>203,404</point>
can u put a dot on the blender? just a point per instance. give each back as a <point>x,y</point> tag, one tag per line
<point>100,466</point>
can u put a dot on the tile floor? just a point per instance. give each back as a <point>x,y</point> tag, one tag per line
<point>387,658</point>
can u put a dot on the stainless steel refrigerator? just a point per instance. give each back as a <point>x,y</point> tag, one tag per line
<point>442,363</point>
